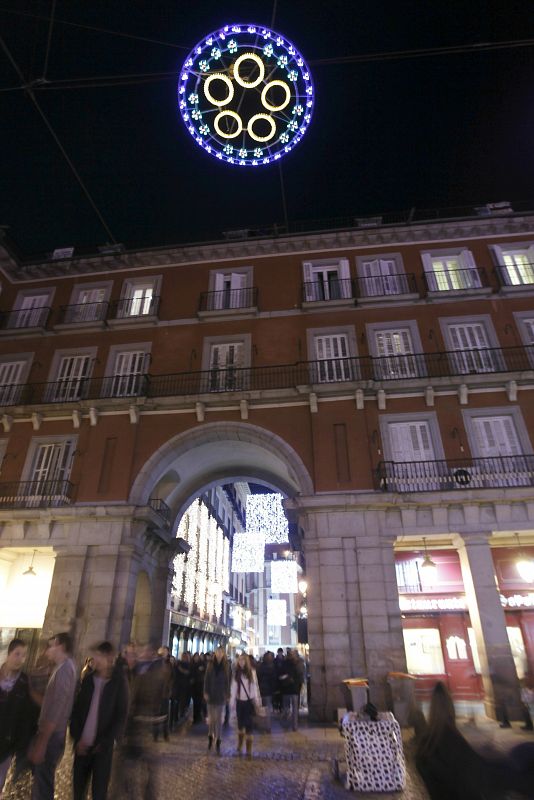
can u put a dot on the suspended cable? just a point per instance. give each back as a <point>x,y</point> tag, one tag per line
<point>52,132</point>
<point>95,29</point>
<point>273,14</point>
<point>49,39</point>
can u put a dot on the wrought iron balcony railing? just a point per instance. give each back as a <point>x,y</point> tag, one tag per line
<point>456,280</point>
<point>227,299</point>
<point>323,291</point>
<point>24,318</point>
<point>134,307</point>
<point>83,313</point>
<point>36,494</point>
<point>161,508</point>
<point>516,274</point>
<point>279,376</point>
<point>386,285</point>
<point>490,472</point>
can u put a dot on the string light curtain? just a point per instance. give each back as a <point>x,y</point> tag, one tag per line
<point>265,514</point>
<point>276,612</point>
<point>248,552</point>
<point>284,578</point>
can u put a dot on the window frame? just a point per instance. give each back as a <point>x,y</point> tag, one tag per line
<point>114,351</point>
<point>12,358</point>
<point>315,266</point>
<point>469,414</point>
<point>467,261</point>
<point>400,274</point>
<point>129,286</point>
<point>424,416</point>
<point>498,251</point>
<point>372,328</point>
<point>71,352</point>
<point>36,442</point>
<point>494,345</point>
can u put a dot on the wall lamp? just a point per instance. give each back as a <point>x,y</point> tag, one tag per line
<point>429,568</point>
<point>524,564</point>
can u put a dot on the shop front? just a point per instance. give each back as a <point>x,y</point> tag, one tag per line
<point>514,569</point>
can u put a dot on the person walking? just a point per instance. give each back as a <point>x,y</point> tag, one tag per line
<point>267,682</point>
<point>18,713</point>
<point>245,698</point>
<point>49,743</point>
<point>291,681</point>
<point>198,671</point>
<point>182,685</point>
<point>98,719</point>
<point>216,695</point>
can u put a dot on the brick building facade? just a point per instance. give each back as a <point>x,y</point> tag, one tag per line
<point>380,376</point>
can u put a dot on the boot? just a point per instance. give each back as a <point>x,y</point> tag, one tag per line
<point>218,747</point>
<point>240,740</point>
<point>210,741</point>
<point>249,746</point>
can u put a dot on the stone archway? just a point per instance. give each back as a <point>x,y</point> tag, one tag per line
<point>142,610</point>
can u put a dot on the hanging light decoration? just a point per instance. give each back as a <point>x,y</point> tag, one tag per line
<point>284,577</point>
<point>276,612</point>
<point>30,570</point>
<point>524,564</point>
<point>226,565</point>
<point>429,569</point>
<point>248,552</point>
<point>265,513</point>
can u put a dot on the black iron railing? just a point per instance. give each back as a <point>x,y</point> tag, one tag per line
<point>228,299</point>
<point>36,494</point>
<point>386,285</point>
<point>516,274</point>
<point>83,313</point>
<point>466,473</point>
<point>161,508</point>
<point>279,376</point>
<point>455,280</point>
<point>24,318</point>
<point>134,307</point>
<point>322,291</point>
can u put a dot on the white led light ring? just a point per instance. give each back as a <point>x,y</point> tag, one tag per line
<point>217,76</point>
<point>255,135</point>
<point>266,89</point>
<point>228,114</point>
<point>257,60</point>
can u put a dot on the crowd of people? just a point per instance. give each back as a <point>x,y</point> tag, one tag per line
<point>122,703</point>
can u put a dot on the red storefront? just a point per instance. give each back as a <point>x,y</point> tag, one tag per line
<point>438,636</point>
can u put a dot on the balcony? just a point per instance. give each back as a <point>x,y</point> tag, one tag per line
<point>492,472</point>
<point>83,315</point>
<point>385,287</point>
<point>36,494</point>
<point>161,508</point>
<point>228,301</point>
<point>456,282</point>
<point>24,320</point>
<point>75,389</point>
<point>515,277</point>
<point>134,309</point>
<point>334,291</point>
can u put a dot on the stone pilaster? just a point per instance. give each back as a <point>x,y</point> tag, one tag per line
<point>499,677</point>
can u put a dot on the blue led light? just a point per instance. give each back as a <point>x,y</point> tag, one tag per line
<point>242,94</point>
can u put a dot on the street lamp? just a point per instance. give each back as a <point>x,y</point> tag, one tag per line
<point>429,569</point>
<point>525,566</point>
<point>30,570</point>
<point>303,586</point>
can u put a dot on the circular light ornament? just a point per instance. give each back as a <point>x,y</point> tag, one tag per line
<point>246,95</point>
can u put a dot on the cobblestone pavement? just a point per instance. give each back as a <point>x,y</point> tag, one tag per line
<point>296,766</point>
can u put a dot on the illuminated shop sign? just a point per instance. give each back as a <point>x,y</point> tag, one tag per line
<point>246,95</point>
<point>432,604</point>
<point>518,601</point>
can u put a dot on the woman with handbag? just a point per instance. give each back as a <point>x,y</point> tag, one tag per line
<point>245,697</point>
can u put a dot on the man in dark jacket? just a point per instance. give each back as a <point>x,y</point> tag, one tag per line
<point>98,720</point>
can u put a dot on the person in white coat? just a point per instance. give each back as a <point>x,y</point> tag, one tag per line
<point>245,698</point>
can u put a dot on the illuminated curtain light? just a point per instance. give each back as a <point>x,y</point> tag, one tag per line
<point>200,592</point>
<point>179,571</point>
<point>264,513</point>
<point>226,565</point>
<point>284,577</point>
<point>248,552</point>
<point>212,549</point>
<point>276,612</point>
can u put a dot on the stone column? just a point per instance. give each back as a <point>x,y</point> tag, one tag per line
<point>499,677</point>
<point>63,602</point>
<point>161,587</point>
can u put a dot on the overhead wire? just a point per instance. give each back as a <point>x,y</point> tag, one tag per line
<point>49,39</point>
<point>54,135</point>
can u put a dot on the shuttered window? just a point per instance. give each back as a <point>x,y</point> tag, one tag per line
<point>327,282</point>
<point>71,376</point>
<point>10,381</point>
<point>471,345</point>
<point>394,349</point>
<point>332,354</point>
<point>230,291</point>
<point>128,373</point>
<point>226,363</point>
<point>380,278</point>
<point>452,273</point>
<point>519,268</point>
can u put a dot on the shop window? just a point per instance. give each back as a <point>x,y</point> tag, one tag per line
<point>408,576</point>
<point>517,645</point>
<point>456,648</point>
<point>424,655</point>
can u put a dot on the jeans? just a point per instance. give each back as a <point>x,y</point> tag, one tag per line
<point>215,714</point>
<point>291,701</point>
<point>96,766</point>
<point>44,774</point>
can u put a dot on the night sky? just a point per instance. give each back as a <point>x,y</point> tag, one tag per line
<point>435,132</point>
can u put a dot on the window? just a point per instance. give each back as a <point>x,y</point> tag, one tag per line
<point>472,348</point>
<point>456,648</point>
<point>408,576</point>
<point>332,354</point>
<point>31,310</point>
<point>449,272</point>
<point>12,376</point>
<point>139,298</point>
<point>327,280</point>
<point>515,264</point>
<point>424,655</point>
<point>128,371</point>
<point>71,382</point>
<point>230,289</point>
<point>395,352</point>
<point>517,646</point>
<point>49,469</point>
<point>381,276</point>
<point>500,443</point>
<point>412,446</point>
<point>226,367</point>
<point>88,304</point>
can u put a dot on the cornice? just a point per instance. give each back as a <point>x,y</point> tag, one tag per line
<point>306,243</point>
